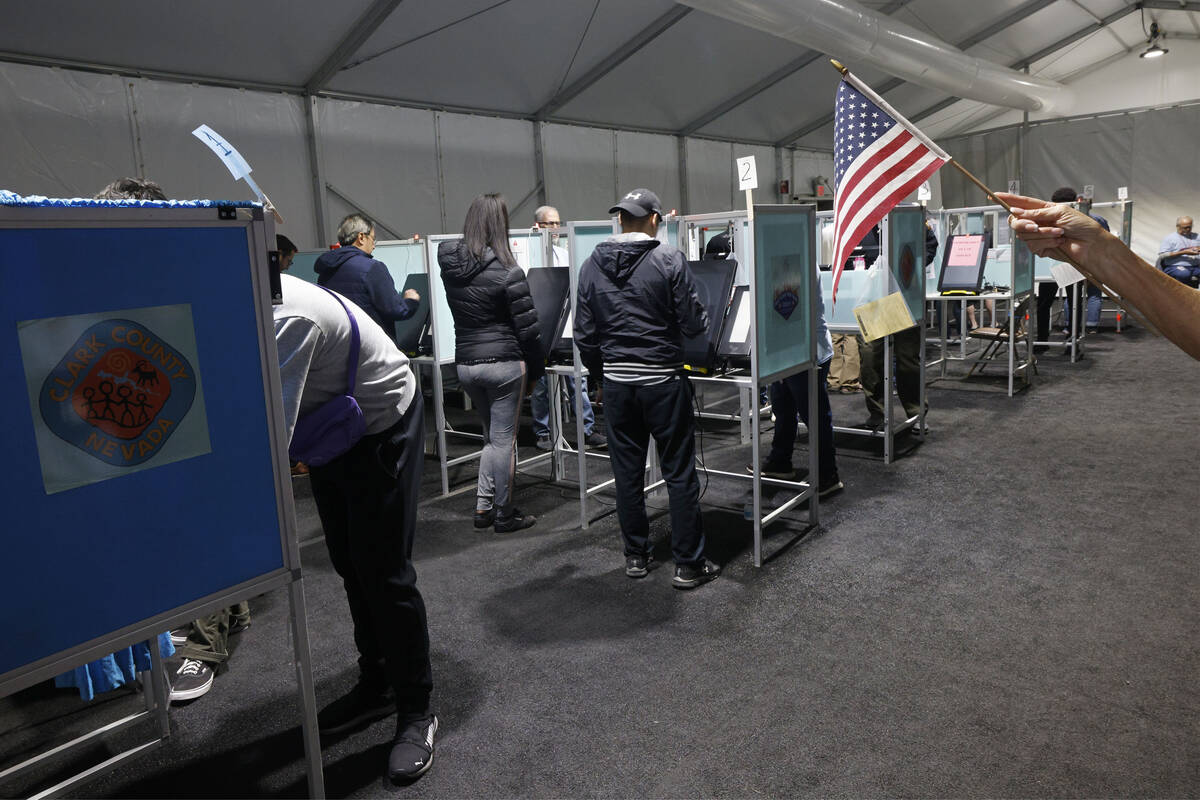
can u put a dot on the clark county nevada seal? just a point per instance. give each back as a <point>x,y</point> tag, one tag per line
<point>118,393</point>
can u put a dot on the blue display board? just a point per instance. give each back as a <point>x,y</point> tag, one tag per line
<point>784,267</point>
<point>123,344</point>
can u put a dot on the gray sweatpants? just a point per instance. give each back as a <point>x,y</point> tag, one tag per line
<point>496,390</point>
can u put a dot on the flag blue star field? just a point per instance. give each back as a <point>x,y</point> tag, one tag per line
<point>879,158</point>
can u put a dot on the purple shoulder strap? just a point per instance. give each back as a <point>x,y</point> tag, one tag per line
<point>352,366</point>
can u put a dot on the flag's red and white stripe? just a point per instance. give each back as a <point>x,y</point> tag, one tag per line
<point>880,176</point>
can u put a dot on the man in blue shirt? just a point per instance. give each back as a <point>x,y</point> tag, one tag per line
<point>1179,255</point>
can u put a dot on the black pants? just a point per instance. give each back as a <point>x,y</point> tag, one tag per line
<point>906,346</point>
<point>633,414</point>
<point>790,397</point>
<point>367,500</point>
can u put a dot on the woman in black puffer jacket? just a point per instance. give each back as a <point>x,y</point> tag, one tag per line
<point>497,348</point>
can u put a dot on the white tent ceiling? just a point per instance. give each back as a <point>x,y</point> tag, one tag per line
<point>642,65</point>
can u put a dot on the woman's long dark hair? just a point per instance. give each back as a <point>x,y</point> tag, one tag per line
<point>487,226</point>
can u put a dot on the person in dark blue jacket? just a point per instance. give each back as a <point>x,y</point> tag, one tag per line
<point>636,301</point>
<point>351,272</point>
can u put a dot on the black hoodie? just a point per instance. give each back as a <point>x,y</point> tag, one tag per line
<point>637,301</point>
<point>367,283</point>
<point>494,317</point>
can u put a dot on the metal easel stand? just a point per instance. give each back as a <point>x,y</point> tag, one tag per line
<point>890,429</point>
<point>156,700</point>
<point>1075,336</point>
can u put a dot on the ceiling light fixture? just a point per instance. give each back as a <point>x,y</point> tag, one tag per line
<point>1154,50</point>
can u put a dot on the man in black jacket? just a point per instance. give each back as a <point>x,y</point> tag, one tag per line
<point>351,272</point>
<point>636,302</point>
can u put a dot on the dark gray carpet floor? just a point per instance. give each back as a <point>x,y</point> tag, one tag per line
<point>1008,611</point>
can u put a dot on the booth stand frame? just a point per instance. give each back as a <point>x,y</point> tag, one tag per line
<point>747,384</point>
<point>1014,366</point>
<point>221,301</point>
<point>890,429</point>
<point>443,356</point>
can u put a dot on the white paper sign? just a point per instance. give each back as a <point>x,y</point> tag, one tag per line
<point>924,193</point>
<point>1089,192</point>
<point>225,151</point>
<point>747,173</point>
<point>1122,192</point>
<point>1014,187</point>
<point>1064,274</point>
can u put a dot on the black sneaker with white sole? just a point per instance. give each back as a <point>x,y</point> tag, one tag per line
<point>689,576</point>
<point>192,679</point>
<point>830,487</point>
<point>412,750</point>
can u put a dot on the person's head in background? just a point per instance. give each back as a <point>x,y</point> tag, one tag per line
<point>640,212</point>
<point>357,231</point>
<point>287,251</point>
<point>131,189</point>
<point>486,226</point>
<point>1064,194</point>
<point>548,217</point>
<point>717,247</point>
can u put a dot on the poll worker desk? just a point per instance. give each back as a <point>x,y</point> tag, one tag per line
<point>532,248</point>
<point>143,406</point>
<point>1009,270</point>
<point>899,268</point>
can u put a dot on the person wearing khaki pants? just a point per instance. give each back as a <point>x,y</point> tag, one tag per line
<point>844,367</point>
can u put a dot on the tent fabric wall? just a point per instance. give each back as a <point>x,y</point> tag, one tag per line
<point>385,159</point>
<point>710,176</point>
<point>482,155</point>
<point>1149,152</point>
<point>581,179</point>
<point>267,129</point>
<point>650,161</point>
<point>63,133</point>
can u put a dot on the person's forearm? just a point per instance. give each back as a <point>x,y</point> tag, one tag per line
<point>1165,302</point>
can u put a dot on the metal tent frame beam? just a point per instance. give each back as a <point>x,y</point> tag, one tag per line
<point>355,37</point>
<point>766,83</point>
<point>1002,24</point>
<point>1055,47</point>
<point>618,57</point>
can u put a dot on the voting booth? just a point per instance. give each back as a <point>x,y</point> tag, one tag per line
<point>898,273</point>
<point>1008,281</point>
<point>145,456</point>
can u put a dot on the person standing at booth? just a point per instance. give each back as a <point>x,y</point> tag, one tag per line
<point>539,402</point>
<point>636,301</point>
<point>497,348</point>
<point>906,348</point>
<point>367,501</point>
<point>1048,290</point>
<point>350,271</point>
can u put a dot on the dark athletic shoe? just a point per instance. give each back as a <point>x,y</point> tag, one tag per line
<point>359,707</point>
<point>179,636</point>
<point>484,519</point>
<point>639,566</point>
<point>830,487</point>
<point>689,576</point>
<point>412,750</point>
<point>514,522</point>
<point>193,679</point>
<point>771,469</point>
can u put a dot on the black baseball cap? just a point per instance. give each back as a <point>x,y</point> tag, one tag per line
<point>639,203</point>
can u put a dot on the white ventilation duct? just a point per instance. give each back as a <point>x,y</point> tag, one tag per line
<point>856,35</point>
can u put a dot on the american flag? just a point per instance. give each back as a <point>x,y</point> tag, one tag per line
<point>879,158</point>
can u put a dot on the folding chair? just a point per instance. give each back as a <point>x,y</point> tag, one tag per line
<point>996,336</point>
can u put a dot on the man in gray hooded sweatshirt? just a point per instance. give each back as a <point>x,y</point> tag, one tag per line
<point>636,302</point>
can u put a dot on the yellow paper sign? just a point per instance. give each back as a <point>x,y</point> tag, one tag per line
<point>880,317</point>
